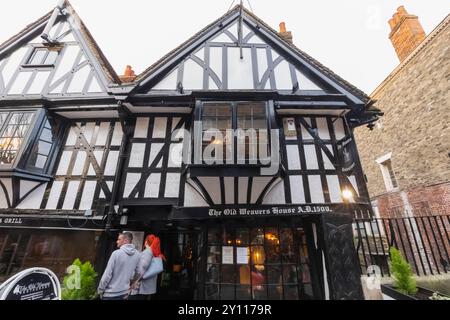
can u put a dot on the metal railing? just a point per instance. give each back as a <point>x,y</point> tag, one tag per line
<point>423,240</point>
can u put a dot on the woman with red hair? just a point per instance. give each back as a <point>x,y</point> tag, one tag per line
<point>144,286</point>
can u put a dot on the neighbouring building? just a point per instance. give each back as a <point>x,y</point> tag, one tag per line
<point>406,155</point>
<point>236,148</point>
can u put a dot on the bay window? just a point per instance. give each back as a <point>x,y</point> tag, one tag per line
<point>28,140</point>
<point>234,132</point>
<point>14,127</point>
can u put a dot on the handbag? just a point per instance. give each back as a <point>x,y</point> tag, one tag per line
<point>155,268</point>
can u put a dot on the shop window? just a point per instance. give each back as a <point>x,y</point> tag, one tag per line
<point>257,263</point>
<point>14,127</point>
<point>52,249</point>
<point>234,129</point>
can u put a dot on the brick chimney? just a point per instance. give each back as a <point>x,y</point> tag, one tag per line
<point>128,76</point>
<point>286,35</point>
<point>406,33</point>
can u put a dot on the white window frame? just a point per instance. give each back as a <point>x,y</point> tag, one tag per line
<point>385,172</point>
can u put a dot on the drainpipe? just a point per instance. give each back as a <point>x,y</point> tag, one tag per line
<point>123,114</point>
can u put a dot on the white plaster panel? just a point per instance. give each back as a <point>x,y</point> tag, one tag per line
<point>172,185</point>
<point>102,134</point>
<point>276,195</point>
<point>55,193</point>
<point>111,163</point>
<point>71,195</point>
<point>297,189</point>
<point>26,186</point>
<point>322,127</point>
<point>159,128</point>
<point>141,128</point>
<point>258,185</point>
<point>311,157</point>
<point>64,163</point>
<point>34,199</point>
<point>88,195</point>
<point>212,186</point>
<point>154,150</point>
<point>334,189</point>
<point>152,185</point>
<point>192,198</point>
<point>240,71</point>
<point>79,163</point>
<point>229,190</point>
<point>242,191</point>
<point>137,155</point>
<point>293,157</point>
<point>175,155</point>
<point>192,76</point>
<point>316,189</point>
<point>130,182</point>
<point>117,135</point>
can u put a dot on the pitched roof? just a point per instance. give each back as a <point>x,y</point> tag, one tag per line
<point>326,71</point>
<point>90,41</point>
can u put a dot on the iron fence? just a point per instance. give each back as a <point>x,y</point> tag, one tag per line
<point>423,241</point>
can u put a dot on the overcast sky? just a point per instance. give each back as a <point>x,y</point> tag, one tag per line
<point>348,36</point>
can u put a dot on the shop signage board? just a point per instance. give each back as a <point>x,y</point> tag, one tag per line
<point>32,284</point>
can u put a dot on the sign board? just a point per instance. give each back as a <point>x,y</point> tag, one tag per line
<point>242,255</point>
<point>32,284</point>
<point>227,255</point>
<point>347,155</point>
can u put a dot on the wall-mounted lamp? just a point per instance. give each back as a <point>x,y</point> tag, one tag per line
<point>123,220</point>
<point>347,195</point>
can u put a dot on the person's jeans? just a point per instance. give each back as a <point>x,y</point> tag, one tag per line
<point>122,297</point>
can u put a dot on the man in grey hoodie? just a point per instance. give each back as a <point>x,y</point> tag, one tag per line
<point>121,269</point>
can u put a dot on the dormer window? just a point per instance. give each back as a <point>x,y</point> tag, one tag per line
<point>42,57</point>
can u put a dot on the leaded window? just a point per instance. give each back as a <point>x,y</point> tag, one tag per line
<point>238,131</point>
<point>41,149</point>
<point>14,127</point>
<point>258,264</point>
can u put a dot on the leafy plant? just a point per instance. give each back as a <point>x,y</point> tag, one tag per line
<point>80,283</point>
<point>402,273</point>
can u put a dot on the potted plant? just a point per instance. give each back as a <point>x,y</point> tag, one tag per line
<point>405,286</point>
<point>80,283</point>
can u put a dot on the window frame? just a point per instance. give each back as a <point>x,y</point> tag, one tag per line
<point>35,137</point>
<point>389,179</point>
<point>26,139</point>
<point>35,49</point>
<point>234,126</point>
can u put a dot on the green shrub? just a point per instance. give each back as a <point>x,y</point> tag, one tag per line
<point>82,288</point>
<point>402,273</point>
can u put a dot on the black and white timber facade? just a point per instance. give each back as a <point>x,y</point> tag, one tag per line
<point>84,156</point>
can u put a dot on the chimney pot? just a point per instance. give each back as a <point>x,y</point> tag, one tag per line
<point>406,33</point>
<point>129,75</point>
<point>286,35</point>
<point>402,11</point>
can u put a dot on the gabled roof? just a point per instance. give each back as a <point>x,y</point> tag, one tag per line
<point>90,41</point>
<point>249,15</point>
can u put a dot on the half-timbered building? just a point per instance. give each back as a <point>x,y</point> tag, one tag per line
<point>236,148</point>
